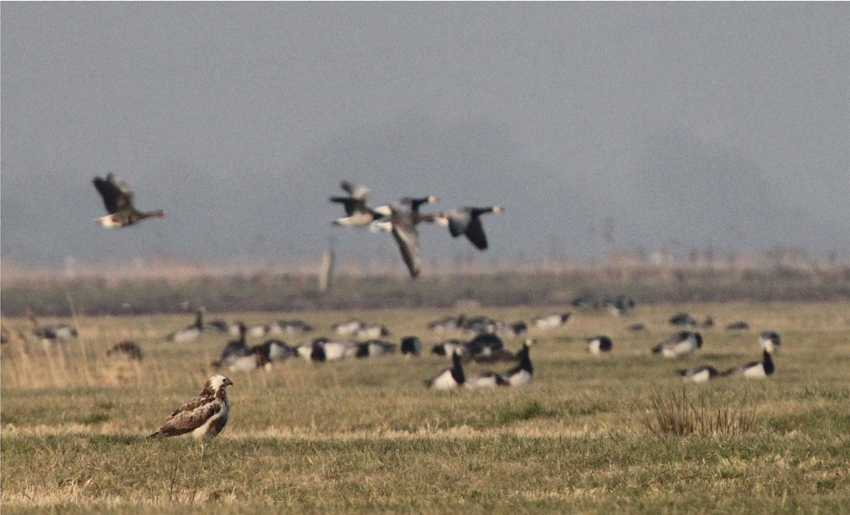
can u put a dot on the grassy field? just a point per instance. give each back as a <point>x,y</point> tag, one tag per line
<point>365,436</point>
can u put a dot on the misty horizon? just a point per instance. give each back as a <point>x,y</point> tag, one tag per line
<point>597,127</point>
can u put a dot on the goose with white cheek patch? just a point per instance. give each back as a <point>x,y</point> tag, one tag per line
<point>698,374</point>
<point>680,344</point>
<point>356,204</point>
<point>522,373</point>
<point>599,344</point>
<point>190,333</point>
<point>467,221</point>
<point>118,200</point>
<point>404,217</point>
<point>769,341</point>
<point>756,369</point>
<point>449,378</point>
<point>234,351</point>
<point>205,415</point>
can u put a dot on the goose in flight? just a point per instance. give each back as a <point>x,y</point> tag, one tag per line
<point>118,199</point>
<point>356,204</point>
<point>404,216</point>
<point>467,221</point>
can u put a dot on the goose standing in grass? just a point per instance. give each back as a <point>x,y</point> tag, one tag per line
<point>357,210</point>
<point>51,334</point>
<point>118,200</point>
<point>755,369</point>
<point>404,216</point>
<point>599,344</point>
<point>551,321</point>
<point>189,333</point>
<point>374,348</point>
<point>234,350</point>
<point>467,221</point>
<point>411,346</point>
<point>680,344</point>
<point>522,373</point>
<point>449,378</point>
<point>698,374</point>
<point>769,341</point>
<point>205,415</point>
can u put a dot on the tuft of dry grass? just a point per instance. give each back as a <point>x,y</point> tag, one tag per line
<point>673,413</point>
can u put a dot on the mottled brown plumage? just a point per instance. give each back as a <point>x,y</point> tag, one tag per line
<point>205,415</point>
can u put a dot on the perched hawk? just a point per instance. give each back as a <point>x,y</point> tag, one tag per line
<point>205,415</point>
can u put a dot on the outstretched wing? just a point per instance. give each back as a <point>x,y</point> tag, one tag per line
<point>475,233</point>
<point>116,194</point>
<point>408,242</point>
<point>352,204</point>
<point>190,416</point>
<point>458,222</point>
<point>355,190</point>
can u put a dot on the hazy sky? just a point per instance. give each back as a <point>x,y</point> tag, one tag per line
<point>686,124</point>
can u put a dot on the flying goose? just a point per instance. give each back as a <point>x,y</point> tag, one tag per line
<point>599,344</point>
<point>466,221</point>
<point>357,210</point>
<point>118,199</point>
<point>681,343</point>
<point>404,216</point>
<point>769,341</point>
<point>698,374</point>
<point>449,378</point>
<point>756,369</point>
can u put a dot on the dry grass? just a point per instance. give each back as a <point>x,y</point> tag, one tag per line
<point>365,436</point>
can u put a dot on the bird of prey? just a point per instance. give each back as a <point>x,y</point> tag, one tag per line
<point>205,415</point>
<point>118,199</point>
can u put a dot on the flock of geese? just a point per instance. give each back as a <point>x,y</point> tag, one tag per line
<point>207,414</point>
<point>399,218</point>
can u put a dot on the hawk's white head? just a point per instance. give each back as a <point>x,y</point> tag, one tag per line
<point>217,382</point>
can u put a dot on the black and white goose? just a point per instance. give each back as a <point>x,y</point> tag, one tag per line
<point>357,210</point>
<point>235,353</point>
<point>551,321</point>
<point>289,327</point>
<point>51,334</point>
<point>522,373</point>
<point>374,348</point>
<point>347,328</point>
<point>599,344</point>
<point>680,344</point>
<point>118,199</point>
<point>755,369</point>
<point>446,324</point>
<point>274,350</point>
<point>698,374</point>
<point>411,346</point>
<point>485,379</point>
<point>404,216</point>
<point>450,347</point>
<point>204,415</point>
<point>769,341</point>
<point>467,221</point>
<point>449,378</point>
<point>189,333</point>
<point>371,332</point>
